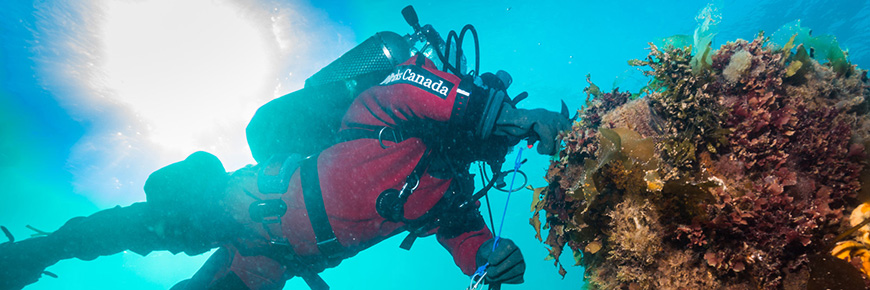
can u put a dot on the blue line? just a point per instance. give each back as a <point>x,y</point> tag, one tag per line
<point>517,164</point>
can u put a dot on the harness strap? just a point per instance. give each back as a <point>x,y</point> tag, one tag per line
<point>397,211</point>
<point>379,133</point>
<point>285,255</point>
<point>274,178</point>
<point>327,243</point>
<point>408,241</point>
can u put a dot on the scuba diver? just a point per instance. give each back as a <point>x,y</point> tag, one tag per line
<point>400,129</point>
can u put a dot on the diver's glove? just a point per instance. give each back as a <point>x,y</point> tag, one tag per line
<point>537,124</point>
<point>506,264</point>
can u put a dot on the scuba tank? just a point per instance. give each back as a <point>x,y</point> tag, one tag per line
<point>306,121</point>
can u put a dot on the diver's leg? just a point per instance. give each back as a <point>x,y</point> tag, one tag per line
<point>183,213</point>
<point>21,263</point>
<point>103,233</point>
<point>215,274</point>
<point>139,228</point>
<point>227,269</point>
<point>109,232</point>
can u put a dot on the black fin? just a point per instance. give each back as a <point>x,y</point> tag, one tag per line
<point>408,242</point>
<point>518,98</point>
<point>8,234</point>
<point>39,233</point>
<point>565,110</point>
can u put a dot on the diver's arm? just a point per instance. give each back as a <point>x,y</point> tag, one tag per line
<point>465,235</point>
<point>479,106</point>
<point>472,245</point>
<point>417,96</point>
<point>462,234</point>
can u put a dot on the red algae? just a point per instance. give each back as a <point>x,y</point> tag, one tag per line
<point>737,175</point>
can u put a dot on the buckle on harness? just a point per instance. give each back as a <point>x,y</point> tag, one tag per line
<point>331,247</point>
<point>406,190</point>
<point>276,180</point>
<point>397,138</point>
<point>267,211</point>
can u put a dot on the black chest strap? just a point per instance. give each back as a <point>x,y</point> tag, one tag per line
<point>273,178</point>
<point>327,243</point>
<point>380,133</point>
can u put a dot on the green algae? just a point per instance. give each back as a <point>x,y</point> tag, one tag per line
<point>823,48</point>
<point>675,41</point>
<point>620,146</point>
<point>708,22</point>
<point>723,155</point>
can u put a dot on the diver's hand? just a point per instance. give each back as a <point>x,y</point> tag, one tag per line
<point>537,124</point>
<point>506,264</point>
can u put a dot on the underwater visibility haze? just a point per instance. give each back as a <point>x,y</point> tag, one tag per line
<point>734,165</point>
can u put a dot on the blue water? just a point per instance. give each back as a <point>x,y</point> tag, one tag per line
<point>74,140</point>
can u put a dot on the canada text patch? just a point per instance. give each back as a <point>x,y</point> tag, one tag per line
<point>422,78</point>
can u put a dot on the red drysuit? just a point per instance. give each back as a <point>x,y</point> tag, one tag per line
<point>354,173</point>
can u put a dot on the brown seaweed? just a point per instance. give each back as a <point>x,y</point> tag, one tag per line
<point>734,174</point>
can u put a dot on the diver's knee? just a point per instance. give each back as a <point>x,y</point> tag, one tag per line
<point>184,197</point>
<point>180,285</point>
<point>186,183</point>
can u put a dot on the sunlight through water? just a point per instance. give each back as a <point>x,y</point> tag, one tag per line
<point>95,95</point>
<point>189,80</point>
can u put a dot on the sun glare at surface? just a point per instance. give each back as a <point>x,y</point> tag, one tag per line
<point>194,71</point>
<point>152,81</point>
